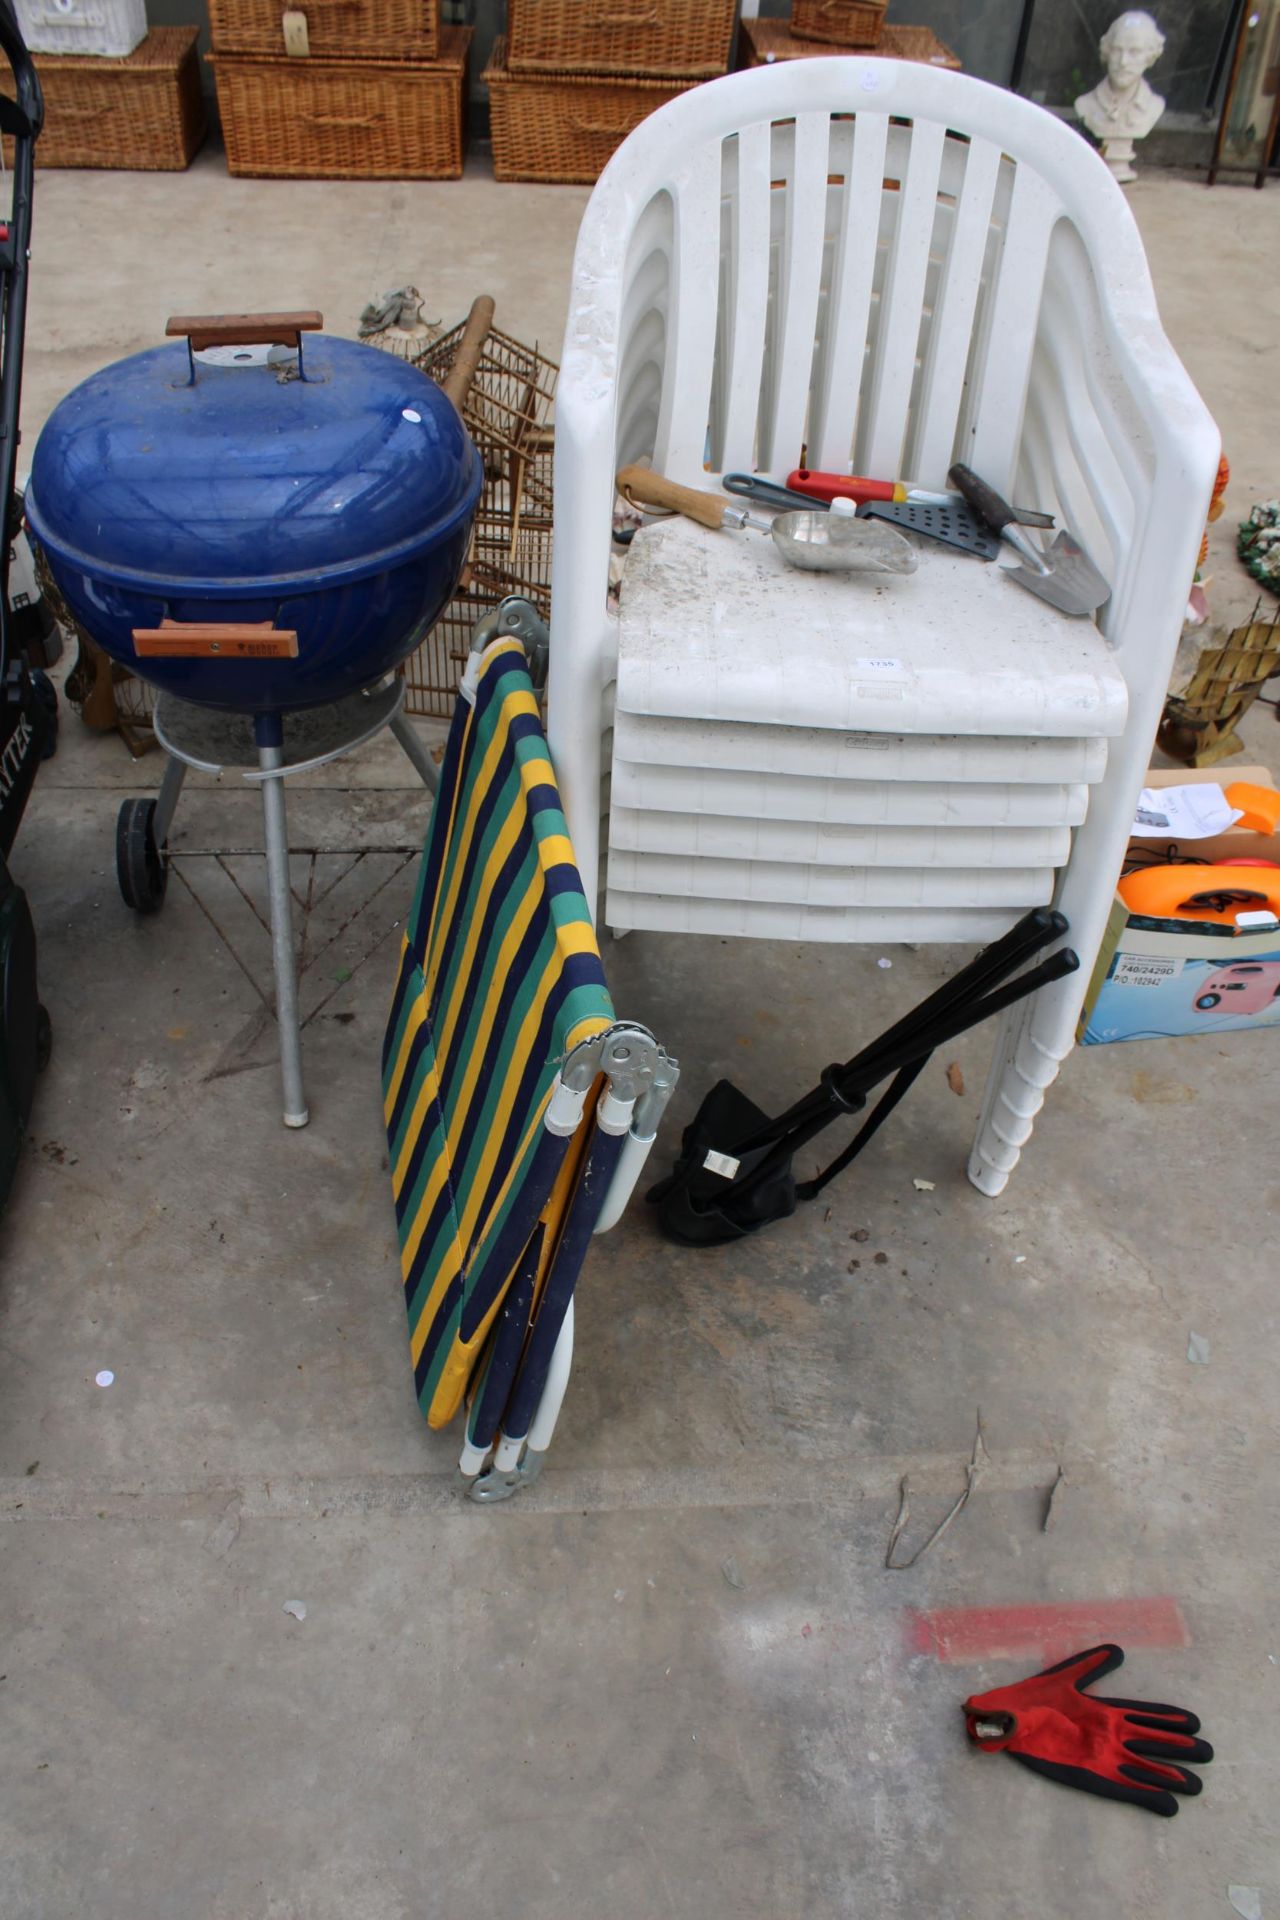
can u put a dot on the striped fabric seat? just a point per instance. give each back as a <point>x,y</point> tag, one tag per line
<point>499,977</point>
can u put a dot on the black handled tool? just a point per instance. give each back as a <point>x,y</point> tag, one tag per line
<point>735,1171</point>
<point>1063,575</point>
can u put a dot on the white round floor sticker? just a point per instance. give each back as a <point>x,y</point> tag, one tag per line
<point>105,1378</point>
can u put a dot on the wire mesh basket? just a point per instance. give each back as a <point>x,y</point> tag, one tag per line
<point>508,409</point>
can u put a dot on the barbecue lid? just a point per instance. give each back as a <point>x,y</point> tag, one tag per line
<point>245,457</point>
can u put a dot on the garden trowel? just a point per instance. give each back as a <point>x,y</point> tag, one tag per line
<point>1062,574</point>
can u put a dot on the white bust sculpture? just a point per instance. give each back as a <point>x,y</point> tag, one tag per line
<point>1122,108</point>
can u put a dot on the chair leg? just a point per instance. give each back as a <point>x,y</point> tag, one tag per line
<point>1022,1071</point>
<point>517,1459</point>
<point>543,1425</point>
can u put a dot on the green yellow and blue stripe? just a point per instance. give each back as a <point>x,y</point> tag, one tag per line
<point>500,976</point>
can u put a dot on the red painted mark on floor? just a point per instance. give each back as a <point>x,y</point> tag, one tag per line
<point>966,1635</point>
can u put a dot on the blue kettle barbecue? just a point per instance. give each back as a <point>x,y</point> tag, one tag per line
<point>263,521</point>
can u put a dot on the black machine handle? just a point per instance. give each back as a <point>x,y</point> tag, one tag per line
<point>985,501</point>
<point>21,117</point>
<point>30,100</point>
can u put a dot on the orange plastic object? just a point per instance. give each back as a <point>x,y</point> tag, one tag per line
<point>1259,805</point>
<point>1201,893</point>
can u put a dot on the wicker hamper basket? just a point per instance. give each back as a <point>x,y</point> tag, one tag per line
<point>343,29</point>
<point>765,40</point>
<point>565,126</point>
<point>620,36</point>
<point>144,112</point>
<point>357,120</point>
<point>847,23</point>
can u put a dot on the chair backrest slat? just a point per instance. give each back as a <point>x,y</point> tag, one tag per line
<point>881,434</point>
<point>849,299</point>
<point>745,296</point>
<point>798,282</point>
<point>933,436</point>
<point>1001,365</point>
<point>691,347</point>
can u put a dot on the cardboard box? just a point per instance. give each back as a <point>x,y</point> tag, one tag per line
<point>1159,982</point>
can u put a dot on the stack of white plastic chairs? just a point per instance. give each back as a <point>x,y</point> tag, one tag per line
<point>881,269</point>
<point>841,757</point>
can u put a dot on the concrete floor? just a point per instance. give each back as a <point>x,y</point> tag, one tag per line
<point>674,1679</point>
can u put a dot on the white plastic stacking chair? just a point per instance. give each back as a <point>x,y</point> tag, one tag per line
<point>894,267</point>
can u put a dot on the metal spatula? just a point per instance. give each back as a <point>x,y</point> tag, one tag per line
<point>953,526</point>
<point>1062,574</point>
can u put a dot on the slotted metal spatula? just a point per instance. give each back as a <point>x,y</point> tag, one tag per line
<point>1062,574</point>
<point>953,526</point>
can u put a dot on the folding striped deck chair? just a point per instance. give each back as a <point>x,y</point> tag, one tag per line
<point>501,1028</point>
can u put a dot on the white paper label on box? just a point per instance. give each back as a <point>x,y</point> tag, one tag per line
<point>879,663</point>
<point>1195,812</point>
<point>1146,970</point>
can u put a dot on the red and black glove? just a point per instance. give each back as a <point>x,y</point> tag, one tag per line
<point>1123,1749</point>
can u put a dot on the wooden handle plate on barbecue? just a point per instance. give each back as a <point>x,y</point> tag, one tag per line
<point>195,640</point>
<point>243,329</point>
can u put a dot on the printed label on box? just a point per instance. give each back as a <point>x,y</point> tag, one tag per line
<point>1145,970</point>
<point>1190,993</point>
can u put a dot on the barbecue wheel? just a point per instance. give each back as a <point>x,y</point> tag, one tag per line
<point>141,866</point>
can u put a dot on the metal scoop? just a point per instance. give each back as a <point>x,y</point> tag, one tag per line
<point>1062,574</point>
<point>837,541</point>
<point>803,538</point>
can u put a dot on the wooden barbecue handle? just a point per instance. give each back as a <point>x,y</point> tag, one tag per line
<point>643,488</point>
<point>243,329</point>
<point>194,639</point>
<point>470,348</point>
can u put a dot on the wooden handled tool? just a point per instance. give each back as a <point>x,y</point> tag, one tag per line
<point>641,487</point>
